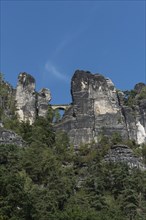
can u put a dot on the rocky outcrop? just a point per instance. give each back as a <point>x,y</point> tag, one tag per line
<point>135,120</point>
<point>95,109</point>
<point>10,137</point>
<point>44,97</point>
<point>123,154</point>
<point>98,108</point>
<point>29,103</point>
<point>26,98</point>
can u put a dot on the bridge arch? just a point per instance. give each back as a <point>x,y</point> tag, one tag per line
<point>60,107</point>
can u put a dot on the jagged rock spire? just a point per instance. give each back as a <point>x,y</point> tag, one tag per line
<point>29,103</point>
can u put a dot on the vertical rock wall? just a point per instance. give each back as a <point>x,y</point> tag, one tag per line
<point>98,108</point>
<point>43,98</point>
<point>29,103</point>
<point>26,98</point>
<point>95,109</point>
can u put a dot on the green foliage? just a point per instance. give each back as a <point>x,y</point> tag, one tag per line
<point>143,150</point>
<point>130,98</point>
<point>7,104</point>
<point>116,138</point>
<point>48,179</point>
<point>142,94</point>
<point>57,116</point>
<point>42,132</point>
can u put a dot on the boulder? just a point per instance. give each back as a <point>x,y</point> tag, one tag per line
<point>123,154</point>
<point>10,137</point>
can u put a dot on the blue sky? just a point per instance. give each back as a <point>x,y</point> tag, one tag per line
<point>51,39</point>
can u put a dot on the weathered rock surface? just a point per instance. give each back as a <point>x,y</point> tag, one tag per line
<point>135,120</point>
<point>123,154</point>
<point>29,103</point>
<point>10,137</point>
<point>44,97</point>
<point>26,98</point>
<point>95,109</point>
<point>98,108</point>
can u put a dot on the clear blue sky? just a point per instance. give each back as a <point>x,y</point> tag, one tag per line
<point>51,39</point>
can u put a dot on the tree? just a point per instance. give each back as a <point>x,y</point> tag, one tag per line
<point>57,116</point>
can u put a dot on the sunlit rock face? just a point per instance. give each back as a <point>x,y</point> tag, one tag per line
<point>26,98</point>
<point>95,109</point>
<point>29,103</point>
<point>141,134</point>
<point>135,120</point>
<point>44,97</point>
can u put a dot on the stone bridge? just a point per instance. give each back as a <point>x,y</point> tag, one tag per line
<point>61,106</point>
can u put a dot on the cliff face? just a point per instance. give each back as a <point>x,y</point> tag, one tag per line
<point>43,98</point>
<point>26,98</point>
<point>135,116</point>
<point>98,108</point>
<point>123,154</point>
<point>29,103</point>
<point>10,137</point>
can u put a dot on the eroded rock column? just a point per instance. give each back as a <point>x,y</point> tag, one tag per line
<point>44,97</point>
<point>26,98</point>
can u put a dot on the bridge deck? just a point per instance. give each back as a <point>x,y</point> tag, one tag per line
<point>61,106</point>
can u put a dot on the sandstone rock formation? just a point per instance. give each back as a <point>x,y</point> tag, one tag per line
<point>123,154</point>
<point>29,103</point>
<point>135,120</point>
<point>43,99</point>
<point>10,137</point>
<point>26,97</point>
<point>97,108</point>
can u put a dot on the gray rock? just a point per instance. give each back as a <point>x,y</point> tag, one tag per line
<point>123,154</point>
<point>98,108</point>
<point>29,103</point>
<point>10,137</point>
<point>26,98</point>
<point>43,98</point>
<point>95,108</point>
